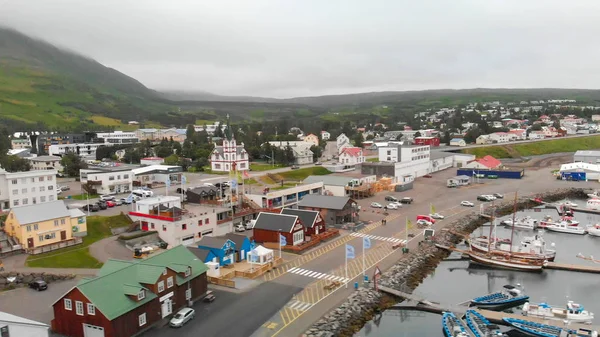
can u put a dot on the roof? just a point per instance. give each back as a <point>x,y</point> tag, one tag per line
<point>324,201</point>
<point>204,190</point>
<point>489,162</point>
<point>212,242</point>
<point>307,217</point>
<point>275,222</point>
<point>587,153</point>
<point>456,139</point>
<point>10,318</point>
<point>579,166</point>
<point>46,158</point>
<point>157,169</point>
<point>352,151</point>
<point>116,278</point>
<point>332,180</point>
<point>152,158</point>
<point>76,213</point>
<point>238,239</point>
<point>202,254</point>
<point>41,212</point>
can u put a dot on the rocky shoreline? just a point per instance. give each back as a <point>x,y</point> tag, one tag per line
<point>12,280</point>
<point>414,267</point>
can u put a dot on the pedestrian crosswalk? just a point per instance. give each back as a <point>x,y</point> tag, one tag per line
<point>314,274</point>
<point>300,306</point>
<point>379,238</point>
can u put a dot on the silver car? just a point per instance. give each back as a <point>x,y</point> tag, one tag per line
<point>181,317</point>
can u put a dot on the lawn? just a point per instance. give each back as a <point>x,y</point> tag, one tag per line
<point>267,180</point>
<point>84,196</point>
<point>497,152</point>
<point>537,148</point>
<point>264,167</point>
<point>250,181</point>
<point>301,174</point>
<point>373,160</point>
<point>79,256</point>
<point>285,186</point>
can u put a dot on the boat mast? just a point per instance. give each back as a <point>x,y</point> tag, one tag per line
<point>491,225</point>
<point>512,232</point>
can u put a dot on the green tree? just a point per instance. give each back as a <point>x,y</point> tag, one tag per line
<point>172,160</point>
<point>15,164</point>
<point>358,140</point>
<point>71,164</point>
<point>317,152</point>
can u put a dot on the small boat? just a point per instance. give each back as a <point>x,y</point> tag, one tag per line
<point>453,326</point>
<point>480,326</point>
<point>537,245</point>
<point>565,228</point>
<point>594,195</point>
<point>567,220</point>
<point>594,230</point>
<point>510,296</point>
<point>537,329</point>
<point>573,312</point>
<point>593,203</point>
<point>569,204</point>
<point>524,223</point>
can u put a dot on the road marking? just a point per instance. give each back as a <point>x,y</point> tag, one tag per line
<point>314,274</point>
<point>300,306</point>
<point>380,238</point>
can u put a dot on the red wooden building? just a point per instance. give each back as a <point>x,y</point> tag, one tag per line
<point>431,141</point>
<point>269,226</point>
<point>129,297</point>
<point>311,220</point>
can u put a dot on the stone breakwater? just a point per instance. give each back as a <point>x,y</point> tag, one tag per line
<point>14,280</point>
<point>414,267</point>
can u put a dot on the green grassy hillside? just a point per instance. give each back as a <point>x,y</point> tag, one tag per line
<point>537,148</point>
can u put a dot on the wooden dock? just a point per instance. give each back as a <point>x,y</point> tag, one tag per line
<point>574,209</point>
<point>573,267</point>
<point>416,302</point>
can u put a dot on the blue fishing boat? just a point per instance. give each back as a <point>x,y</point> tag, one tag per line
<point>539,329</point>
<point>453,326</point>
<point>509,297</point>
<point>480,326</point>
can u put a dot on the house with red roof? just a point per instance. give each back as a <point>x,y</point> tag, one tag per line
<point>487,162</point>
<point>352,156</point>
<point>545,119</point>
<point>518,134</point>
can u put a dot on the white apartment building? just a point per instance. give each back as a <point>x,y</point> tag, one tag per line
<point>500,137</point>
<point>46,163</point>
<point>342,141</point>
<point>118,137</point>
<point>108,180</point>
<point>210,128</point>
<point>27,188</point>
<point>83,150</point>
<point>399,153</point>
<point>286,198</point>
<point>175,225</point>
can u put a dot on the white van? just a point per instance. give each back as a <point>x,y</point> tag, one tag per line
<point>250,224</point>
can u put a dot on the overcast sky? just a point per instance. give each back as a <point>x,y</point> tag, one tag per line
<point>285,48</point>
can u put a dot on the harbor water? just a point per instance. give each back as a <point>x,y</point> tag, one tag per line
<point>455,282</point>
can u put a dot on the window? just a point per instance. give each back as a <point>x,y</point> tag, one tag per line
<point>111,178</point>
<point>141,295</point>
<point>50,188</point>
<point>15,202</point>
<point>15,192</point>
<point>170,282</point>
<point>184,226</point>
<point>42,199</point>
<point>51,198</point>
<point>42,188</point>
<point>34,200</point>
<point>41,178</point>
<point>62,221</point>
<point>33,180</point>
<point>207,221</point>
<point>33,189</point>
<point>25,201</point>
<point>188,272</point>
<point>14,181</point>
<point>151,225</point>
<point>165,272</point>
<point>41,238</point>
<point>55,223</point>
<point>35,227</point>
<point>68,304</point>
<point>49,178</point>
<point>199,222</point>
<point>23,190</point>
<point>161,286</point>
<point>188,294</point>
<point>91,309</point>
<point>164,228</point>
<point>142,319</point>
<point>119,177</point>
<point>79,308</point>
<point>126,176</point>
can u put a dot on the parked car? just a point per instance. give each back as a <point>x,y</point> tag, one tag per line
<point>126,201</point>
<point>295,167</point>
<point>436,216</point>
<point>428,176</point>
<point>391,198</point>
<point>397,203</point>
<point>250,224</point>
<point>38,285</point>
<point>391,206</point>
<point>467,204</point>
<point>102,205</point>
<point>107,197</point>
<point>482,198</point>
<point>490,197</point>
<point>118,202</point>
<point>181,317</point>
<point>407,200</point>
<point>376,205</point>
<point>92,208</point>
<point>239,228</point>
<point>64,188</point>
<point>209,297</point>
<point>499,196</point>
<point>318,163</point>
<point>423,222</point>
<point>110,204</point>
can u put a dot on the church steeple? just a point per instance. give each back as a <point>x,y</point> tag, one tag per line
<point>228,132</point>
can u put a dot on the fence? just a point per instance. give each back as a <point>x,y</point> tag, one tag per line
<point>54,246</point>
<point>221,282</point>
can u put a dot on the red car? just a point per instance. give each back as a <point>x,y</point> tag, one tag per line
<point>428,176</point>
<point>111,204</point>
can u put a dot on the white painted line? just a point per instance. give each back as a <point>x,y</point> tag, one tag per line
<point>330,277</point>
<point>304,272</point>
<point>293,269</point>
<point>295,305</point>
<point>371,236</point>
<point>321,276</point>
<point>312,274</point>
<point>305,306</point>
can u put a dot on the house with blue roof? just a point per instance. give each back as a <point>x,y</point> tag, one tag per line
<point>223,249</point>
<point>243,245</point>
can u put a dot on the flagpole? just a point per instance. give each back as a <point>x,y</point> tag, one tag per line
<point>346,268</point>
<point>279,244</point>
<point>363,258</point>
<point>406,231</point>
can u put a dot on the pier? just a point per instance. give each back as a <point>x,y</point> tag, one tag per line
<point>574,209</point>
<point>419,303</point>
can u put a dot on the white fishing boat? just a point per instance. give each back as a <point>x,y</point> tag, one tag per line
<point>565,220</point>
<point>537,245</point>
<point>594,230</point>
<point>594,195</point>
<point>593,204</point>
<point>524,223</point>
<point>573,312</point>
<point>563,227</point>
<point>569,204</point>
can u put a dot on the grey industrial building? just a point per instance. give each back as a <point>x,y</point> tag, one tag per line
<point>590,157</point>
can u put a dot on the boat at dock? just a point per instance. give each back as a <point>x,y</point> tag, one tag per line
<point>594,230</point>
<point>572,313</point>
<point>453,326</point>
<point>523,223</point>
<point>480,326</point>
<point>565,220</point>
<point>566,228</point>
<point>593,204</point>
<point>532,247</point>
<point>545,330</point>
<point>509,297</point>
<point>569,204</point>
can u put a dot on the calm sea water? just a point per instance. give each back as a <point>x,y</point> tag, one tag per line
<point>456,281</point>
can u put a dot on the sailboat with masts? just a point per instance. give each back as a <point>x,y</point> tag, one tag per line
<point>506,260</point>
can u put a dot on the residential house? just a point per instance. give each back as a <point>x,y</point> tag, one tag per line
<point>287,197</point>
<point>458,142</point>
<point>311,220</point>
<point>80,149</point>
<point>487,162</point>
<point>108,180</point>
<point>149,161</point>
<point>342,141</point>
<point>242,245</point>
<point>326,135</point>
<point>157,174</point>
<point>147,134</point>
<point>27,188</point>
<point>20,143</point>
<point>483,139</point>
<point>336,185</point>
<point>178,135</point>
<point>431,141</point>
<point>301,149</point>
<point>312,139</point>
<point>229,156</point>
<point>118,137</point>
<point>202,194</point>
<point>210,128</point>
<point>518,134</point>
<point>127,298</point>
<point>404,153</point>
<point>204,255</point>
<point>222,248</point>
<point>545,119</point>
<point>12,325</point>
<point>595,118</point>
<point>46,163</point>
<point>496,124</point>
<point>352,156</point>
<point>500,137</point>
<point>536,135</point>
<point>333,210</point>
<point>45,224</point>
<point>269,227</point>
